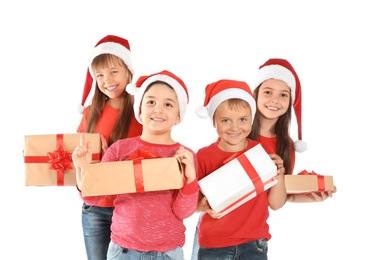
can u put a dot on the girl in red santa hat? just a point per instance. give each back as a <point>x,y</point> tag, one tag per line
<point>278,91</point>
<point>111,114</point>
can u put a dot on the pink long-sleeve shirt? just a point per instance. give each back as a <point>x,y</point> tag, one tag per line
<point>149,220</point>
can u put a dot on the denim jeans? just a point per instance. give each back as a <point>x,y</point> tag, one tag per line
<point>96,223</point>
<point>118,253</point>
<point>253,250</point>
<point>195,245</point>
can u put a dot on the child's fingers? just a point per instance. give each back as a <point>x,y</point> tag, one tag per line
<point>82,139</point>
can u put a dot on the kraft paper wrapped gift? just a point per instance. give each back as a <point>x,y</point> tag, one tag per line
<point>48,158</point>
<point>307,182</point>
<point>239,180</point>
<point>139,175</point>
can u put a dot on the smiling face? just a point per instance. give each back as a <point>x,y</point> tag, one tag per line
<point>112,76</point>
<point>233,121</point>
<point>159,112</point>
<point>273,98</point>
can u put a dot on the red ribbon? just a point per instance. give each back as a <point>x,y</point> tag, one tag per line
<point>59,159</point>
<point>253,175</point>
<point>137,157</point>
<point>320,179</point>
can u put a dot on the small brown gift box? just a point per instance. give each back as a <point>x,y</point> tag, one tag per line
<point>48,158</point>
<point>138,175</point>
<point>306,182</point>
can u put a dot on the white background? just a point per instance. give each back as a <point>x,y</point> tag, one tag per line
<point>335,49</point>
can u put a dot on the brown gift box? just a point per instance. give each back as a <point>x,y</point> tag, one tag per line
<point>131,176</point>
<point>48,158</point>
<point>307,183</point>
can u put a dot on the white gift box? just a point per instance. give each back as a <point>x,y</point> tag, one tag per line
<point>239,180</point>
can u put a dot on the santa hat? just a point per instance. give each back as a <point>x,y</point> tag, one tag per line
<point>222,90</point>
<point>281,69</point>
<point>110,44</point>
<point>139,88</point>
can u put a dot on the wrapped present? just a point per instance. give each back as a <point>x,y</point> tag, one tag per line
<point>48,158</point>
<point>308,182</point>
<point>239,180</point>
<point>142,172</point>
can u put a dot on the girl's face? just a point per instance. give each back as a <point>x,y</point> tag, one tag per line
<point>112,79</point>
<point>159,109</point>
<point>233,125</point>
<point>273,98</point>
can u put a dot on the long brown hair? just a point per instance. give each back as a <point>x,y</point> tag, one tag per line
<point>284,141</point>
<point>99,100</point>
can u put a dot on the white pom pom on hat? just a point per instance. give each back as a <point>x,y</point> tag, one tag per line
<point>281,69</point>
<point>202,112</point>
<point>139,88</point>
<point>219,91</point>
<point>110,44</point>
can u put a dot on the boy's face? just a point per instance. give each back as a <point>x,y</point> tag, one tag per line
<point>233,125</point>
<point>159,109</point>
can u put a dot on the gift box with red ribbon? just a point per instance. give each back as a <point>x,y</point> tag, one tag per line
<point>48,158</point>
<point>239,180</point>
<point>308,182</point>
<point>143,171</point>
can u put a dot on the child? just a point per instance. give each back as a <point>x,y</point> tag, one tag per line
<point>110,114</point>
<point>244,232</point>
<point>277,89</point>
<point>150,224</point>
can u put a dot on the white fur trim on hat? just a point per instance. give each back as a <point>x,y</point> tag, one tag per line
<point>228,94</point>
<point>112,48</point>
<point>276,72</point>
<point>178,88</point>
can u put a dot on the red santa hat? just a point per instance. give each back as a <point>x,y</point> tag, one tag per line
<point>110,44</point>
<point>281,69</point>
<point>139,88</point>
<point>222,90</point>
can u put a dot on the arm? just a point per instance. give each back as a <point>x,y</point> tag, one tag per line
<point>82,156</point>
<point>311,197</point>
<point>277,194</point>
<point>186,199</point>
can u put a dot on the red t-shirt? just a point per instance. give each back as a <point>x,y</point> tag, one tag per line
<point>272,142</point>
<point>247,222</point>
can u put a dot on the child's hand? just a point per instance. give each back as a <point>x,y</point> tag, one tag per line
<point>82,155</point>
<point>278,162</point>
<point>213,213</point>
<point>203,205</point>
<point>323,195</point>
<point>104,144</point>
<point>187,158</point>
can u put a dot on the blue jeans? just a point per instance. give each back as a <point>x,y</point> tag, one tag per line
<point>96,223</point>
<point>253,250</point>
<point>119,253</point>
<point>195,245</point>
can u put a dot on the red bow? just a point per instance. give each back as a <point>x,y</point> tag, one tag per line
<point>60,160</point>
<point>320,179</point>
<point>143,153</point>
<point>304,172</point>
